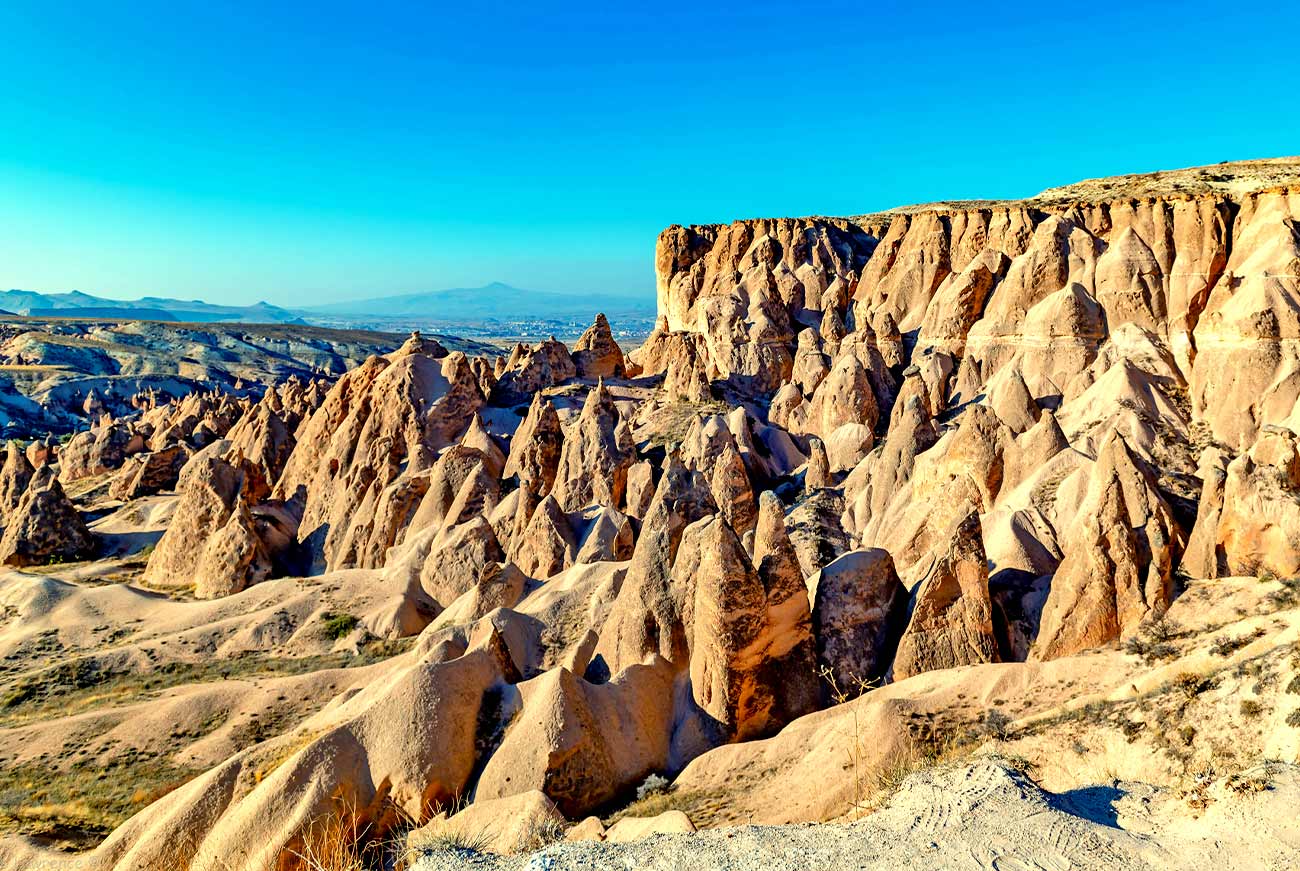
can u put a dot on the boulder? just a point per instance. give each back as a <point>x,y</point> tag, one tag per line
<point>518,823</point>
<point>859,606</point>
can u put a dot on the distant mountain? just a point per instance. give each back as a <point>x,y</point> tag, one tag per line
<point>78,304</point>
<point>495,301</point>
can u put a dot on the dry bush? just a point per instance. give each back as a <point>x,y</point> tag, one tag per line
<point>857,748</point>
<point>1191,684</point>
<point>997,725</point>
<point>333,843</point>
<point>1286,596</point>
<point>1225,646</point>
<point>1153,640</point>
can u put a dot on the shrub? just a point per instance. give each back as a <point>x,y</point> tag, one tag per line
<point>997,725</point>
<point>1190,684</point>
<point>1287,595</point>
<point>1152,640</point>
<point>1225,646</point>
<point>1251,708</point>
<point>338,626</point>
<point>1150,651</point>
<point>652,785</point>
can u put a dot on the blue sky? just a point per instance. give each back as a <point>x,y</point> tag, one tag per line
<point>325,151</point>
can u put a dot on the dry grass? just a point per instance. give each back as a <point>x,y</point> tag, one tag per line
<point>672,422</point>
<point>266,760</point>
<point>703,807</point>
<point>74,809</point>
<point>86,683</point>
<point>857,747</point>
<point>333,843</point>
<point>342,840</point>
<point>454,838</point>
<point>33,367</point>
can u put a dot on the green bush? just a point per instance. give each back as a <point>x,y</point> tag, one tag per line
<point>338,626</point>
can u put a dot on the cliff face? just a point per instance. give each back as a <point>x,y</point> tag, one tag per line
<point>1205,266</point>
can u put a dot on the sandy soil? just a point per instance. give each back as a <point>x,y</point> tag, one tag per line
<point>985,815</point>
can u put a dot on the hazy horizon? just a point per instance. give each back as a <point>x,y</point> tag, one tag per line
<point>308,304</point>
<point>323,155</point>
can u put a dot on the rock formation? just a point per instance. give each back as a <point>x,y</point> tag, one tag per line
<point>951,623</point>
<point>953,445</point>
<point>213,541</point>
<point>150,473</point>
<point>535,448</point>
<point>94,452</point>
<point>391,412</point>
<point>596,354</point>
<point>15,475</point>
<point>596,455</point>
<point>531,370</point>
<point>44,526</point>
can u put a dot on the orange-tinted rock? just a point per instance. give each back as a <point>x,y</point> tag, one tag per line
<point>44,526</point>
<point>951,623</point>
<point>1118,566</point>
<point>596,456</point>
<point>212,541</point>
<point>596,354</point>
<point>388,415</point>
<point>535,448</point>
<point>859,606</point>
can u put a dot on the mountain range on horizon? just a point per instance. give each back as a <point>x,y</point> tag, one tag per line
<point>487,302</point>
<point>76,303</point>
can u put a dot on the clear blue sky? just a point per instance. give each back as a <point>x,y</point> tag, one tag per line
<point>311,152</point>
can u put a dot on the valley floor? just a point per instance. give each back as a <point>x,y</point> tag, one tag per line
<point>981,816</point>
